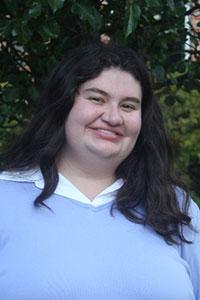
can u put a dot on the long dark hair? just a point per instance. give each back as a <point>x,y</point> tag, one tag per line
<point>149,182</point>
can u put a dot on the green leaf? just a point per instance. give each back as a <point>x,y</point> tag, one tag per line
<point>170,100</point>
<point>182,67</point>
<point>49,30</point>
<point>10,94</point>
<point>151,3</point>
<point>33,92</point>
<point>87,12</point>
<point>159,74</point>
<point>21,31</point>
<point>5,28</point>
<point>11,6</point>
<point>171,4</point>
<point>132,18</point>
<point>56,4</point>
<point>35,10</point>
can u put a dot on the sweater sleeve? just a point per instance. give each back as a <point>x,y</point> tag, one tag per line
<point>191,252</point>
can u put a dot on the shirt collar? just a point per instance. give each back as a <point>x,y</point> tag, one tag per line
<point>65,188</point>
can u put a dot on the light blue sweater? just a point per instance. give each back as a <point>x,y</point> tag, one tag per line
<point>80,252</point>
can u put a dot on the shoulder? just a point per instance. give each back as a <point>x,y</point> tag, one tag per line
<point>190,205</point>
<point>190,252</point>
<point>16,204</point>
<point>12,193</point>
<point>7,187</point>
<point>194,213</point>
<point>18,183</point>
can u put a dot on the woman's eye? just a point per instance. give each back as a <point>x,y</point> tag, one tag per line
<point>128,107</point>
<point>96,99</point>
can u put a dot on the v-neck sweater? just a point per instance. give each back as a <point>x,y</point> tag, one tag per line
<point>80,251</point>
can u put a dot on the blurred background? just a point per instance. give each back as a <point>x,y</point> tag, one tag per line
<point>166,34</point>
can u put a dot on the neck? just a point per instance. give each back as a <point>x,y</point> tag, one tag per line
<point>89,178</point>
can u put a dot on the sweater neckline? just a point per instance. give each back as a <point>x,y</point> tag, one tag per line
<point>65,187</point>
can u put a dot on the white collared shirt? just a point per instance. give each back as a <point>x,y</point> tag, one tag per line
<point>64,188</point>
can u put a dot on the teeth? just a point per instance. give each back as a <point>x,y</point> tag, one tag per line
<point>108,132</point>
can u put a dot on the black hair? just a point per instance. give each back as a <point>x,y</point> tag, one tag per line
<point>149,182</point>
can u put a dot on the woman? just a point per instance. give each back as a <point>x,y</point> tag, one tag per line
<point>109,219</point>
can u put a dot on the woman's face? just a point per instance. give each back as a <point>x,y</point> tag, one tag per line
<point>105,120</point>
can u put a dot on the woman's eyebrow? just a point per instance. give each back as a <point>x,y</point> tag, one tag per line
<point>133,99</point>
<point>96,90</point>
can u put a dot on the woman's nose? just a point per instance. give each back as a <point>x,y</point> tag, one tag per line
<point>112,116</point>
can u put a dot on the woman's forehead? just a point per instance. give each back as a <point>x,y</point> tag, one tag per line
<point>114,81</point>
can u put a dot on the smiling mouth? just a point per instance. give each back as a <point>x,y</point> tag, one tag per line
<point>108,131</point>
<point>107,134</point>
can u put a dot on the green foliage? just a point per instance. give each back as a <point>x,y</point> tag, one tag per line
<point>35,34</point>
<point>88,13</point>
<point>181,111</point>
<point>55,4</point>
<point>133,13</point>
